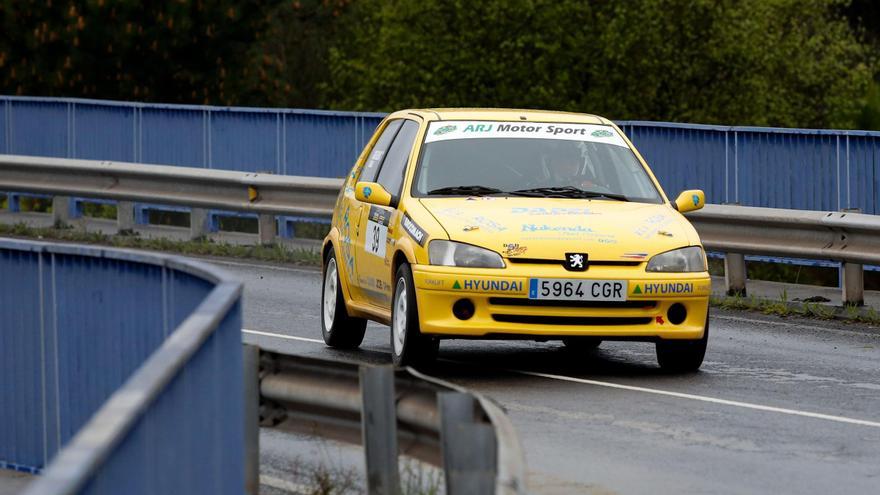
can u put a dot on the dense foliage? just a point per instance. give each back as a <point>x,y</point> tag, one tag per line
<point>805,63</point>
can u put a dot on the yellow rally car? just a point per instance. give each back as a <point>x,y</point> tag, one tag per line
<point>498,224</point>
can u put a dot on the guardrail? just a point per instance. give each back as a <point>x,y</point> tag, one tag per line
<point>850,238</point>
<point>157,337</point>
<point>381,408</point>
<point>808,169</point>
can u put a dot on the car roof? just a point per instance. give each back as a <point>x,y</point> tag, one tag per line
<point>511,114</point>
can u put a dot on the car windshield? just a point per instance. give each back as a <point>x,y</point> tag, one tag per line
<point>530,159</point>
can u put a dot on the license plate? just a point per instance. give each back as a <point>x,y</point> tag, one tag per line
<point>565,289</point>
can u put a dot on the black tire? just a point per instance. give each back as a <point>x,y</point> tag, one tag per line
<point>683,356</point>
<point>409,347</point>
<point>581,344</point>
<point>338,328</point>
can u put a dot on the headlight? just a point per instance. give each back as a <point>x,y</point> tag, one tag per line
<point>689,259</point>
<point>448,253</point>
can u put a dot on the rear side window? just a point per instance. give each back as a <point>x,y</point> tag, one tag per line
<point>394,167</point>
<point>377,154</point>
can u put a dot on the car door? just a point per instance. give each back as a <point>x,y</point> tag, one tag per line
<point>372,253</point>
<point>353,208</point>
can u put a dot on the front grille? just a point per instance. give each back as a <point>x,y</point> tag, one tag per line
<point>544,303</point>
<point>573,320</point>
<point>543,261</point>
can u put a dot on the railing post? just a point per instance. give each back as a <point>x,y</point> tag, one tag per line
<point>470,449</point>
<point>267,228</point>
<point>251,362</point>
<point>198,223</point>
<point>60,210</point>
<point>379,429</point>
<point>735,273</point>
<point>853,284</point>
<point>124,217</point>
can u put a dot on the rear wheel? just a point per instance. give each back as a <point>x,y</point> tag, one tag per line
<point>681,356</point>
<point>409,347</point>
<point>580,344</point>
<point>338,328</point>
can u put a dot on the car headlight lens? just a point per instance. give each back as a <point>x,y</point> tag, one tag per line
<point>689,259</point>
<point>449,253</point>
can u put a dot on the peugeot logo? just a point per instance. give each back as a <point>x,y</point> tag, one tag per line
<point>576,262</point>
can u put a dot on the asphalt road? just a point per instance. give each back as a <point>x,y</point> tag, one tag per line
<point>780,405</point>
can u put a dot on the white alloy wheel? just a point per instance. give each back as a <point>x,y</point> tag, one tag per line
<point>399,324</point>
<point>330,287</point>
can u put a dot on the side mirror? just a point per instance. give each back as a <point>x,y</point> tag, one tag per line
<point>373,193</point>
<point>690,200</point>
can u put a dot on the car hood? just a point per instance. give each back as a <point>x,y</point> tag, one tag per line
<point>547,228</point>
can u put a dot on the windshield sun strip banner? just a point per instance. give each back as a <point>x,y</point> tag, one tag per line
<point>446,130</point>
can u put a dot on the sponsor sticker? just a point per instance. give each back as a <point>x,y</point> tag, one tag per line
<point>448,130</point>
<point>444,130</point>
<point>477,285</point>
<point>574,229</point>
<point>413,229</point>
<point>551,211</point>
<point>514,249</point>
<point>663,288</point>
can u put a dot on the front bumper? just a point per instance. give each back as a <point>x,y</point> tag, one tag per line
<point>502,308</point>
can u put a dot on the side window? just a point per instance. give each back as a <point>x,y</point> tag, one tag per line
<point>377,154</point>
<point>394,168</point>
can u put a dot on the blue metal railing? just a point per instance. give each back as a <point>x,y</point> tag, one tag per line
<point>755,166</point>
<point>807,169</point>
<point>159,336</point>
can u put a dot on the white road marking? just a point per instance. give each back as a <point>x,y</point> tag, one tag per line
<point>645,390</point>
<point>280,336</point>
<point>284,485</point>
<point>702,398</point>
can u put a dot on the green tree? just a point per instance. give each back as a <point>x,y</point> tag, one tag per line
<point>759,62</point>
<point>287,62</point>
<point>182,51</point>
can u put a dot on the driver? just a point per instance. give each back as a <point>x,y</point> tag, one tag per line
<point>564,166</point>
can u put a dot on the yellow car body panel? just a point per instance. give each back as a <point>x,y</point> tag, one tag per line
<point>619,237</point>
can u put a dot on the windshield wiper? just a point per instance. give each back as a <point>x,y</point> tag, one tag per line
<point>567,192</point>
<point>466,190</point>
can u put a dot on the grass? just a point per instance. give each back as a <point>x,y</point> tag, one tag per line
<point>277,253</point>
<point>333,478</point>
<point>783,307</point>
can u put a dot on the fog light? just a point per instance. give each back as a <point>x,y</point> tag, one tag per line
<point>463,309</point>
<point>676,314</point>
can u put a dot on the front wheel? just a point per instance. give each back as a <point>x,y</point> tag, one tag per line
<point>681,356</point>
<point>409,347</point>
<point>338,328</point>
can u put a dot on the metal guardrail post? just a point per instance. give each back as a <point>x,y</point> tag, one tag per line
<point>735,273</point>
<point>853,284</point>
<point>251,376</point>
<point>60,210</point>
<point>198,223</point>
<point>267,228</point>
<point>125,216</point>
<point>379,429</point>
<point>469,448</point>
